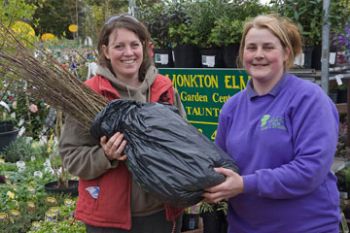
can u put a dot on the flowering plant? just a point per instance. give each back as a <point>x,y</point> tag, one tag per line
<point>7,108</point>
<point>342,41</point>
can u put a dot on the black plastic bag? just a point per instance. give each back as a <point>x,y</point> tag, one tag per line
<point>167,156</point>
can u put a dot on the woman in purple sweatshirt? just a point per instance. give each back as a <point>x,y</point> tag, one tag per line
<point>282,132</point>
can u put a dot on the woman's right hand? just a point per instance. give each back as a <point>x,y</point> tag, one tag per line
<point>114,147</point>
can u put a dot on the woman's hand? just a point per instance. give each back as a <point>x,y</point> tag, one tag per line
<point>114,147</point>
<point>231,187</point>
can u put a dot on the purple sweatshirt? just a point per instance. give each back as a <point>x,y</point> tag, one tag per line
<point>284,144</point>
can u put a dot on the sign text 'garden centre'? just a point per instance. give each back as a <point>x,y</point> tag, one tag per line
<point>204,91</point>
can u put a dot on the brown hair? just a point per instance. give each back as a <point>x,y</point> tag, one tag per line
<point>132,24</point>
<point>284,29</point>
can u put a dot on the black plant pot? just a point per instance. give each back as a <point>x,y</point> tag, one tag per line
<point>316,57</point>
<point>212,58</point>
<point>2,180</point>
<point>8,134</point>
<point>342,96</point>
<point>163,58</point>
<point>54,188</point>
<point>189,222</point>
<point>230,55</point>
<point>308,56</point>
<point>214,222</point>
<point>187,56</point>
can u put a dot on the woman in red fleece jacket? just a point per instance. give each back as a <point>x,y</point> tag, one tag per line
<point>109,200</point>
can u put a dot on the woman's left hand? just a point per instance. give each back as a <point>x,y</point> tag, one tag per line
<point>231,187</point>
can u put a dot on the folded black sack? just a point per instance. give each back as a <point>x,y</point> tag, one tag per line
<point>167,156</point>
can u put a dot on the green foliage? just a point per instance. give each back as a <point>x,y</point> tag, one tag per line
<point>7,114</point>
<point>229,22</point>
<point>307,14</point>
<point>66,226</point>
<point>19,103</point>
<point>211,23</point>
<point>206,207</point>
<point>89,15</point>
<point>182,34</point>
<point>226,31</point>
<point>20,149</point>
<point>15,10</point>
<point>202,16</point>
<point>156,18</point>
<point>180,30</point>
<point>24,194</point>
<point>33,121</point>
<point>55,16</point>
<point>8,167</point>
<point>339,15</point>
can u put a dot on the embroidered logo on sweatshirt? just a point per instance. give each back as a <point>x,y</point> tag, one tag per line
<point>269,122</point>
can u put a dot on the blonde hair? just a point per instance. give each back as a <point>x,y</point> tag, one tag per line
<point>283,28</point>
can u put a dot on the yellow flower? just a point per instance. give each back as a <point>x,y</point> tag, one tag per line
<point>2,161</point>
<point>10,194</point>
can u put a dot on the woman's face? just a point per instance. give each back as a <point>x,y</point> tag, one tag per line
<point>125,52</point>
<point>263,56</point>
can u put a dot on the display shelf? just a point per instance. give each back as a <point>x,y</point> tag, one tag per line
<point>342,108</point>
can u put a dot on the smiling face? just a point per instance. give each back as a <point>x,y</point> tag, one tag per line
<point>125,53</point>
<point>264,57</point>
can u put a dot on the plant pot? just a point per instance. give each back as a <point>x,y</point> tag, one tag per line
<point>308,56</point>
<point>2,180</point>
<point>212,58</point>
<point>189,222</point>
<point>342,96</point>
<point>214,222</point>
<point>6,126</point>
<point>230,55</point>
<point>187,56</point>
<point>8,134</point>
<point>316,57</point>
<point>54,188</point>
<point>163,58</point>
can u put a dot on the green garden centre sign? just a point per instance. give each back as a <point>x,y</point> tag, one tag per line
<point>204,91</point>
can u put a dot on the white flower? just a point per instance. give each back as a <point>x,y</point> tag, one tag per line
<point>21,166</point>
<point>38,174</point>
<point>49,170</point>
<point>47,163</point>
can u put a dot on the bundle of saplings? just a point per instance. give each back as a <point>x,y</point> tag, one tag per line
<point>167,156</point>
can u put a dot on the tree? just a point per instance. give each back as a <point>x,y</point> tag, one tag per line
<point>11,11</point>
<point>55,16</point>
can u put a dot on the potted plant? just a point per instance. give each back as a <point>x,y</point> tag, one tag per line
<point>8,131</point>
<point>226,33</point>
<point>228,26</point>
<point>202,16</point>
<point>214,217</point>
<point>156,18</point>
<point>64,182</point>
<point>183,38</point>
<point>18,150</point>
<point>308,16</point>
